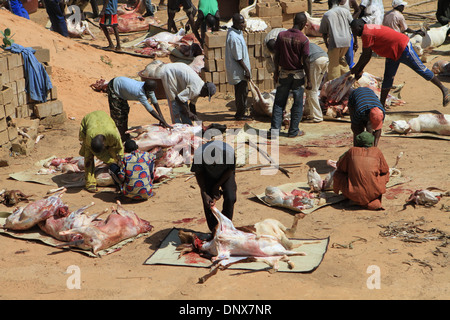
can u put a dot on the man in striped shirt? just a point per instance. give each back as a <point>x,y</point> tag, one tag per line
<point>366,113</point>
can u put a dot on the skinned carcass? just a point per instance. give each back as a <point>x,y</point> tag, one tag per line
<point>334,94</point>
<point>131,19</point>
<point>76,25</point>
<point>23,218</point>
<point>297,199</point>
<point>428,122</point>
<point>262,102</point>
<point>434,37</point>
<point>252,24</point>
<point>312,26</point>
<point>120,225</point>
<point>231,245</point>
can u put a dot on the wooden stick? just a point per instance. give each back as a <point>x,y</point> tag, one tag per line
<point>267,156</point>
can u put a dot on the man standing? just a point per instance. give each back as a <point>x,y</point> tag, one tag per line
<point>182,86</point>
<point>238,65</point>
<point>443,12</point>
<point>318,66</point>
<point>366,113</point>
<point>121,90</point>
<point>335,29</point>
<point>396,48</point>
<point>394,19</point>
<point>99,138</point>
<point>55,11</point>
<point>362,173</point>
<point>291,67</point>
<point>109,18</point>
<point>214,168</point>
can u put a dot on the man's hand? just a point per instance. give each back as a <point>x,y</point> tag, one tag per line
<point>208,200</point>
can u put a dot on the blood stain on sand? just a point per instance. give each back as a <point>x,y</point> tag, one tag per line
<point>193,258</point>
<point>189,220</point>
<point>301,151</point>
<point>393,193</point>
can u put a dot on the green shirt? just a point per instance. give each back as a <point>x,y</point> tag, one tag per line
<point>208,7</point>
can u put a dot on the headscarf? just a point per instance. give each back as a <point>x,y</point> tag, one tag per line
<point>365,139</point>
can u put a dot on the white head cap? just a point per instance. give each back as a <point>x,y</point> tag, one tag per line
<point>396,3</point>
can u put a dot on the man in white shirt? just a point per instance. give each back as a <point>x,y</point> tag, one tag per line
<point>183,86</point>
<point>394,19</point>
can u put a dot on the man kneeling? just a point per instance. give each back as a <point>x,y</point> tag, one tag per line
<point>362,173</point>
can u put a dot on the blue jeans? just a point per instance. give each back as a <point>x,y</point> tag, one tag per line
<point>350,54</point>
<point>285,86</point>
<point>180,113</point>
<point>412,60</point>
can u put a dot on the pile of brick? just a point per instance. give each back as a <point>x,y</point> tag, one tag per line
<point>280,13</point>
<point>19,115</point>
<point>276,14</point>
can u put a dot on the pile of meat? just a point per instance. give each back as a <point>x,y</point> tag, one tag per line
<point>297,199</point>
<point>266,241</point>
<point>77,228</point>
<point>178,144</point>
<point>334,94</point>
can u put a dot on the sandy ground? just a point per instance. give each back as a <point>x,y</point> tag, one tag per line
<point>31,270</point>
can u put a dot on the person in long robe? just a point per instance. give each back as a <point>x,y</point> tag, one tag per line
<point>362,173</point>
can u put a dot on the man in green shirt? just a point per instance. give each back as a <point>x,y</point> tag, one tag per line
<point>99,137</point>
<point>207,17</point>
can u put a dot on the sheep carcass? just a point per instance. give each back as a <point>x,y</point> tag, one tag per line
<point>262,102</point>
<point>312,26</point>
<point>120,225</point>
<point>434,37</point>
<point>428,122</point>
<point>231,245</point>
<point>76,26</point>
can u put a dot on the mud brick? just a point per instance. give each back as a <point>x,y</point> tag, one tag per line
<point>42,55</point>
<point>215,77</point>
<point>16,73</point>
<point>254,73</point>
<point>217,53</point>
<point>23,147</point>
<point>276,21</point>
<point>4,138</point>
<point>223,77</point>
<point>20,84</point>
<point>258,50</point>
<point>9,109</point>
<point>52,94</point>
<point>22,98</point>
<point>3,124</point>
<point>4,78</point>
<point>209,53</point>
<point>294,6</point>
<point>223,51</point>
<point>15,103</point>
<point>261,75</point>
<point>53,120</point>
<point>210,65</point>
<point>258,38</point>
<point>3,64</point>
<point>49,108</point>
<point>14,60</point>
<point>47,68</point>
<point>2,112</point>
<point>6,95</point>
<point>206,75</point>
<point>215,39</point>
<point>12,133</point>
<point>250,39</point>
<point>220,65</point>
<point>268,9</point>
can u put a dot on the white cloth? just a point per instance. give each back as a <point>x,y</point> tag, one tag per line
<point>374,12</point>
<point>235,50</point>
<point>181,80</point>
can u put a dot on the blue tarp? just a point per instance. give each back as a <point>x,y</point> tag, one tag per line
<point>37,81</point>
<point>18,9</point>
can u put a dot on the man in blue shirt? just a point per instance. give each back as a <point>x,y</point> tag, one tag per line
<point>121,90</point>
<point>238,65</point>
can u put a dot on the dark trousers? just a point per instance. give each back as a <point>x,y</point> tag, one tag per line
<point>56,17</point>
<point>240,96</point>
<point>228,189</point>
<point>119,110</point>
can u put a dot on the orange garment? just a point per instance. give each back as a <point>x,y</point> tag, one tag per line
<point>361,176</point>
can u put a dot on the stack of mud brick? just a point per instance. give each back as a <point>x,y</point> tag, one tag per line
<point>280,14</point>
<point>214,70</point>
<point>18,113</point>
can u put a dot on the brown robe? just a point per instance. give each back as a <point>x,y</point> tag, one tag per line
<point>361,176</point>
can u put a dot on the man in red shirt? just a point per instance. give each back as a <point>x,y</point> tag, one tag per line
<point>396,48</point>
<point>291,67</point>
